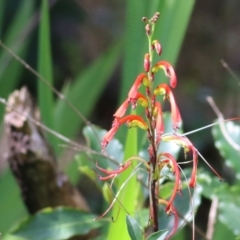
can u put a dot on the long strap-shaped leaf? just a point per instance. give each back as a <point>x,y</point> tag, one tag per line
<point>128,196</point>
<point>45,94</point>
<point>10,69</point>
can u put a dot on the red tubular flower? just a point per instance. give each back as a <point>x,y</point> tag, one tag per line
<point>112,173</point>
<point>134,121</point>
<point>164,89</point>
<point>157,46</point>
<point>193,178</point>
<point>177,186</point>
<point>121,110</point>
<point>140,98</point>
<point>173,211</point>
<point>142,78</point>
<point>169,71</point>
<point>109,136</point>
<point>188,147</point>
<point>160,123</point>
<point>146,63</point>
<point>130,120</point>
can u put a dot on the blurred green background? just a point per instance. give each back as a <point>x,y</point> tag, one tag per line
<point>86,33</point>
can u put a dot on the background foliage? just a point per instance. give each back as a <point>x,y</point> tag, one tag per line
<point>99,48</point>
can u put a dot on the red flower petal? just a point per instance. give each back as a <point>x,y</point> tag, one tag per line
<point>109,136</point>
<point>169,71</point>
<point>165,90</point>
<point>142,78</point>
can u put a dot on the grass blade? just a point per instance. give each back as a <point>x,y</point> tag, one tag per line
<point>45,94</point>
<point>10,69</point>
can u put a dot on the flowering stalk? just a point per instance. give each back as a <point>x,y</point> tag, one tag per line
<point>152,122</point>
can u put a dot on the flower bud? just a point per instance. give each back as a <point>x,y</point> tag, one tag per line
<point>148,29</point>
<point>146,62</point>
<point>157,46</point>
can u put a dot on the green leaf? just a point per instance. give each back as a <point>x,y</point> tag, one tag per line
<point>133,228</point>
<point>94,136</point>
<point>229,215</point>
<point>230,154</point>
<point>56,224</point>
<point>12,237</point>
<point>180,234</point>
<point>129,195</point>
<point>107,193</point>
<point>221,231</point>
<point>12,207</point>
<point>45,94</point>
<point>10,69</point>
<point>228,200</point>
<point>159,235</point>
<point>211,186</point>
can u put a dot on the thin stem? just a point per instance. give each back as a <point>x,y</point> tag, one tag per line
<point>153,155</point>
<point>212,218</point>
<point>154,205</point>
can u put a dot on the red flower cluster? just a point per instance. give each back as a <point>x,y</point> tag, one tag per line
<point>153,124</point>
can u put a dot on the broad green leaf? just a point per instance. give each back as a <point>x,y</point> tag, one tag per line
<point>210,185</point>
<point>229,215</point>
<point>12,237</point>
<point>55,224</point>
<point>45,94</point>
<point>134,230</point>
<point>230,154</point>
<point>94,136</point>
<point>84,92</point>
<point>160,235</point>
<point>142,217</point>
<point>12,207</point>
<point>180,235</point>
<point>87,161</point>
<point>228,200</point>
<point>221,231</point>
<point>86,170</point>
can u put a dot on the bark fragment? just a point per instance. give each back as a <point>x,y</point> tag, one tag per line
<point>32,161</point>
